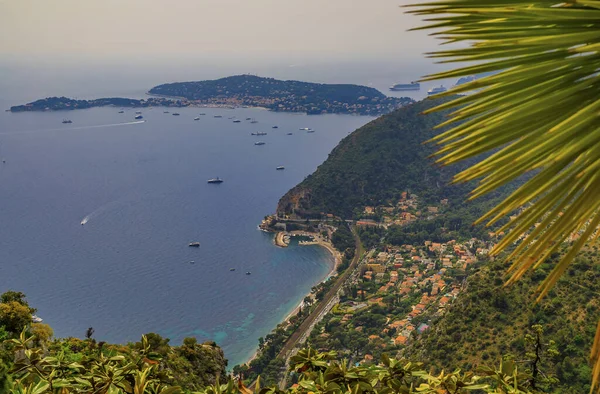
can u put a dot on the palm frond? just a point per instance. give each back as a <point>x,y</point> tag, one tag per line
<point>538,112</point>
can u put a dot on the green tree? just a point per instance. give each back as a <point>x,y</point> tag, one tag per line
<point>534,112</point>
<point>14,316</point>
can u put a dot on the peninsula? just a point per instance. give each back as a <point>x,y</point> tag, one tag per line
<point>287,96</point>
<point>65,103</point>
<point>245,91</point>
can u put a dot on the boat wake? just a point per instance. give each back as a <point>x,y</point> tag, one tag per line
<point>102,209</point>
<point>76,128</point>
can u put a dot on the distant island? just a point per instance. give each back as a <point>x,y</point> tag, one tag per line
<point>65,103</point>
<point>287,96</point>
<point>246,91</point>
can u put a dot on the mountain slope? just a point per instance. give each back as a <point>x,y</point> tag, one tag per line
<point>488,321</point>
<point>376,163</point>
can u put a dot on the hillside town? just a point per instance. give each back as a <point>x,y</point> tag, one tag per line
<point>396,294</point>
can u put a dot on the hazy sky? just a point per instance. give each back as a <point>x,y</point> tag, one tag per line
<point>160,28</point>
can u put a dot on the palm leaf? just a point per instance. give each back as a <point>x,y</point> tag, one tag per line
<point>538,113</point>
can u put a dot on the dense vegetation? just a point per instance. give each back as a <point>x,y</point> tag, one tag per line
<point>277,95</point>
<point>29,355</point>
<point>375,164</point>
<point>487,321</point>
<point>64,103</point>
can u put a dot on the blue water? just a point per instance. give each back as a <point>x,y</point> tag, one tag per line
<point>142,188</point>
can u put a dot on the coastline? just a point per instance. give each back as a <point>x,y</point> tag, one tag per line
<point>337,260</point>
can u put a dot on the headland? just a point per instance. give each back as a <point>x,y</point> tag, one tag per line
<point>244,91</point>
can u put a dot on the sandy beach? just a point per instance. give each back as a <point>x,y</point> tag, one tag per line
<point>337,261</point>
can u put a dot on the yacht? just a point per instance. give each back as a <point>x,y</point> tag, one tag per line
<point>310,131</point>
<point>275,127</point>
<point>304,128</point>
<point>215,180</point>
<point>218,116</point>
<point>231,269</point>
<point>165,112</point>
<point>436,90</point>
<point>259,143</point>
<point>67,121</point>
<point>406,86</point>
<point>259,133</point>
<point>196,118</point>
<point>248,273</point>
<point>121,111</point>
<point>290,133</point>
<point>36,319</point>
<point>138,112</point>
<point>248,118</point>
<point>138,117</point>
<point>175,113</point>
<point>202,114</point>
<point>280,168</point>
<point>237,121</point>
<point>194,244</point>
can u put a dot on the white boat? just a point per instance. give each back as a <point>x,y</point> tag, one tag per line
<point>405,86</point>
<point>436,90</point>
<point>36,319</point>
<point>196,118</point>
<point>259,143</point>
<point>138,117</point>
<point>280,168</point>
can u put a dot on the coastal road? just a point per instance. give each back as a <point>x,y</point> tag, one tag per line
<point>322,308</point>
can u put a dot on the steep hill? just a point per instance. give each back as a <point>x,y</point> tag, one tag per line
<point>488,321</point>
<point>376,163</point>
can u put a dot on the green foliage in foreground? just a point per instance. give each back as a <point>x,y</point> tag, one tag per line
<point>538,114</point>
<point>34,373</point>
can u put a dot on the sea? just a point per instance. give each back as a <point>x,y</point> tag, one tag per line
<point>96,215</point>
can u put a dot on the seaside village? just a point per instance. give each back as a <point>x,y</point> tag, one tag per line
<point>397,291</point>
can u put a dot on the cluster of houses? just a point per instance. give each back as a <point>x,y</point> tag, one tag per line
<point>292,103</point>
<point>425,274</point>
<point>404,212</point>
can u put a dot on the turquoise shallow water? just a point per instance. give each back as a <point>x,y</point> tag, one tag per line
<point>142,190</point>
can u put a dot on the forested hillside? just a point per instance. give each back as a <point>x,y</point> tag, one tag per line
<point>376,163</point>
<point>488,321</point>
